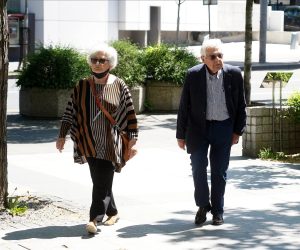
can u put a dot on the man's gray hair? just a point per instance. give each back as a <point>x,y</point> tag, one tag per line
<point>211,43</point>
<point>109,52</point>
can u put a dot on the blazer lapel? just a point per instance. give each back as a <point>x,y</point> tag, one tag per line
<point>202,86</point>
<point>227,79</point>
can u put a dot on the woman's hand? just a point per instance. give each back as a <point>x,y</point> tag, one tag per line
<point>132,151</point>
<point>60,144</point>
<point>131,143</point>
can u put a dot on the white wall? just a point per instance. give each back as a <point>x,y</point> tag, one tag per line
<point>135,15</point>
<point>194,16</point>
<point>276,21</point>
<point>232,16</point>
<point>83,23</point>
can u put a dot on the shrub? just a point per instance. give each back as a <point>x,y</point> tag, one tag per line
<point>15,206</point>
<point>268,154</point>
<point>293,103</point>
<point>53,68</point>
<point>168,63</point>
<point>275,77</point>
<point>129,67</point>
<point>283,76</point>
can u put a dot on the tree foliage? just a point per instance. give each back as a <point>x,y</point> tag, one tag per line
<point>277,76</point>
<point>293,103</point>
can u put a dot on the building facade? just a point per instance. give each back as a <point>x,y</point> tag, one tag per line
<point>84,23</point>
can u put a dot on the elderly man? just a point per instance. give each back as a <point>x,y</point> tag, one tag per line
<point>211,116</point>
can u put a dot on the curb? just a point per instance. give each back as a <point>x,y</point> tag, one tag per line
<point>268,66</point>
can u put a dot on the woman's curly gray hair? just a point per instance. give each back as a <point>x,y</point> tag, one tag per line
<point>109,52</point>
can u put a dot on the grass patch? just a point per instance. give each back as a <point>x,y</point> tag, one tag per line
<point>16,206</point>
<point>268,154</point>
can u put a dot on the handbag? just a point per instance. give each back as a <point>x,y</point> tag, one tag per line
<point>127,153</point>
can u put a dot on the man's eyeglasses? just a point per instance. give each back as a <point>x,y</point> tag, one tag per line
<point>99,60</point>
<point>214,56</point>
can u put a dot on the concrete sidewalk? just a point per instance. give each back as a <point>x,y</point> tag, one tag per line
<point>154,195</point>
<point>154,192</point>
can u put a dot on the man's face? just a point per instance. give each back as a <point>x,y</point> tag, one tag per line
<point>213,60</point>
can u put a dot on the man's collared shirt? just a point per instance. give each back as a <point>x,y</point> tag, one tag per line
<point>216,103</point>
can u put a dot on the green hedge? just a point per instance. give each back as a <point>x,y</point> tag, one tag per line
<point>54,68</point>
<point>277,76</point>
<point>61,67</point>
<point>293,103</point>
<point>168,63</point>
<point>129,67</point>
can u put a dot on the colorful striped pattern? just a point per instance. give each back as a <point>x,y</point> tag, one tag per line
<point>93,135</point>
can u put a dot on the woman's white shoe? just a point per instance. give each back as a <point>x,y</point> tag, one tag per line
<point>91,228</point>
<point>111,220</point>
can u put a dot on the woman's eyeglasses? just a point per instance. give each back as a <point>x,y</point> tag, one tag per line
<point>99,60</point>
<point>214,56</point>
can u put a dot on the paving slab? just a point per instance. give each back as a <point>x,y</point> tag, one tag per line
<point>154,192</point>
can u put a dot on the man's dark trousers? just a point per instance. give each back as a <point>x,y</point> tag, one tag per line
<point>218,136</point>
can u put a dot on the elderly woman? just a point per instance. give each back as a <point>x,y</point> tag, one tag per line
<point>96,140</point>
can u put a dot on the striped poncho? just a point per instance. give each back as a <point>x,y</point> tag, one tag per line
<point>90,130</point>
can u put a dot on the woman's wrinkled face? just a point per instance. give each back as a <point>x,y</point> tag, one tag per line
<point>99,62</point>
<point>213,60</point>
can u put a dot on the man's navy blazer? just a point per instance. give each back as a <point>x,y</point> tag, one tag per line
<point>191,119</point>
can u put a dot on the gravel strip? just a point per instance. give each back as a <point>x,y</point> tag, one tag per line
<point>43,211</point>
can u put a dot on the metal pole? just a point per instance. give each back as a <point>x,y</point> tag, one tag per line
<point>178,21</point>
<point>263,30</point>
<point>208,20</point>
<point>273,116</point>
<point>280,116</point>
<point>25,33</point>
<point>24,38</point>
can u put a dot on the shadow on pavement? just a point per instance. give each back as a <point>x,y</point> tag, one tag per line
<point>243,229</point>
<point>49,232</point>
<point>24,130</point>
<point>260,176</point>
<point>239,158</point>
<point>157,120</point>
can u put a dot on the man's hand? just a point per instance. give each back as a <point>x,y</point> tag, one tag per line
<point>181,143</point>
<point>235,139</point>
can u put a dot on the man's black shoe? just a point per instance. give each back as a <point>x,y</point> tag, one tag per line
<point>217,220</point>
<point>201,215</point>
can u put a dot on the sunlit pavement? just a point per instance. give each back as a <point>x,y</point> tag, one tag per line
<point>154,194</point>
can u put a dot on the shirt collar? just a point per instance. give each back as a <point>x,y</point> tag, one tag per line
<point>111,79</point>
<point>218,75</point>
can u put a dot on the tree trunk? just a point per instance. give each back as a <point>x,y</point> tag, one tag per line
<point>178,20</point>
<point>3,102</point>
<point>248,51</point>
